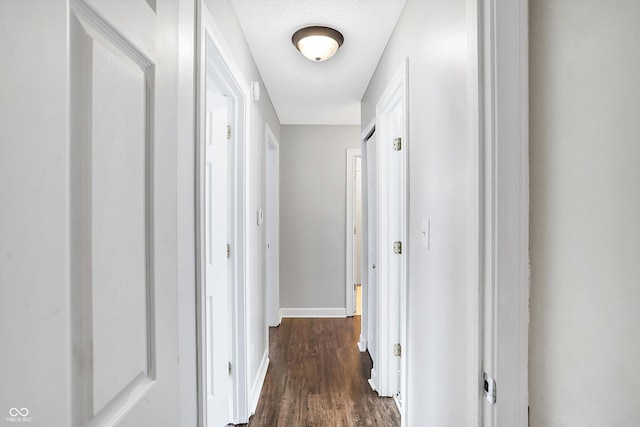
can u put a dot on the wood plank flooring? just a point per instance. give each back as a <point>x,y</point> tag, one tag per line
<point>317,377</point>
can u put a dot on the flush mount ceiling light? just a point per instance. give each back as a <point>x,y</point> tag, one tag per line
<point>317,43</point>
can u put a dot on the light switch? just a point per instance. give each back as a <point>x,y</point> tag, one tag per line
<point>426,233</point>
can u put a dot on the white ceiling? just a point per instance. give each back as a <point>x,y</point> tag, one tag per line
<point>306,92</point>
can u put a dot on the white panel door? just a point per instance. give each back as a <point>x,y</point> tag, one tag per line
<point>392,243</point>
<point>217,344</point>
<point>89,141</point>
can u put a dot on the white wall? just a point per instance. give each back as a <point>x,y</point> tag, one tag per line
<point>585,210</point>
<point>433,35</point>
<point>261,112</point>
<point>313,214</point>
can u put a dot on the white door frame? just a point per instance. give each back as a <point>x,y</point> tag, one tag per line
<point>228,75</point>
<point>501,91</point>
<point>272,229</point>
<point>186,205</point>
<point>476,165</point>
<point>395,94</point>
<point>352,155</point>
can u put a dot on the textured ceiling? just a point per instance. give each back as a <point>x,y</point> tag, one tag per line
<point>306,92</point>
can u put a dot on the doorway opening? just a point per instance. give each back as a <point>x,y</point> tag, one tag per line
<point>354,232</point>
<point>368,219</point>
<point>272,230</point>
<point>357,235</point>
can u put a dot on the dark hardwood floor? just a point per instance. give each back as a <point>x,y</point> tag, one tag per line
<point>317,377</point>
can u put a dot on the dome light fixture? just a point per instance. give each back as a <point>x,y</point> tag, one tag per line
<point>317,43</point>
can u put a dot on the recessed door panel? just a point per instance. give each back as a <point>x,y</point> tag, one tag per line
<point>119,224</point>
<point>121,217</point>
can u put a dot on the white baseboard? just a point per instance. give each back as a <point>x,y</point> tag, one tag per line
<point>362,344</point>
<point>258,383</point>
<point>313,312</point>
<point>373,381</point>
<point>278,321</point>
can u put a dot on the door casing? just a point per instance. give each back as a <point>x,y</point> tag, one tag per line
<point>500,81</point>
<point>392,181</point>
<point>217,63</point>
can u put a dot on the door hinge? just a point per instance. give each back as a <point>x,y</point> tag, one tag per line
<point>397,144</point>
<point>489,388</point>
<point>397,350</point>
<point>228,250</point>
<point>354,230</point>
<point>229,368</point>
<point>397,247</point>
<point>228,132</point>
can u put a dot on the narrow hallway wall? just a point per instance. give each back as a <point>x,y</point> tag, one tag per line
<point>313,215</point>
<point>433,35</point>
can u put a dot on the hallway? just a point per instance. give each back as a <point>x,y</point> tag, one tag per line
<point>317,377</point>
<point>173,182</point>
